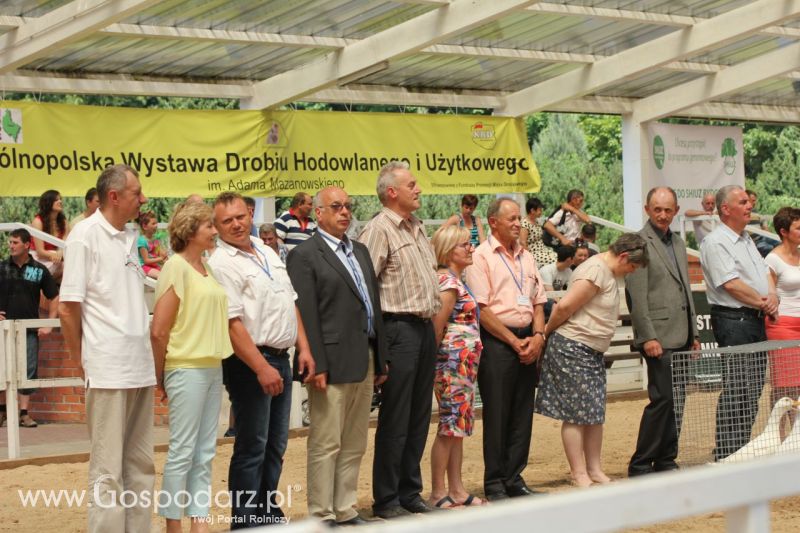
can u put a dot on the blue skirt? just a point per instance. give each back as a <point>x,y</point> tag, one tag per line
<point>572,387</point>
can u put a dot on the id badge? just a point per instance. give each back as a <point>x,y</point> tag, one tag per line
<point>523,300</point>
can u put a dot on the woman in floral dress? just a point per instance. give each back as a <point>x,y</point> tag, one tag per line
<point>458,338</point>
<point>530,234</point>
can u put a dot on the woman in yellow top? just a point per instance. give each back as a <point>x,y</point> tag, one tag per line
<point>190,338</point>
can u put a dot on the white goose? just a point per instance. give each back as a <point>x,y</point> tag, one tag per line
<point>769,440</point>
<point>792,442</point>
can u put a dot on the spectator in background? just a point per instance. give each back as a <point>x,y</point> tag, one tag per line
<point>267,234</point>
<point>92,201</point>
<point>530,234</point>
<point>741,293</point>
<point>556,275</point>
<point>573,383</point>
<point>459,341</point>
<point>467,219</point>
<point>294,226</point>
<point>189,336</point>
<point>581,255</point>
<point>106,328</point>
<point>703,227</point>
<point>22,281</point>
<point>588,236</point>
<point>50,219</point>
<point>784,268</point>
<point>565,223</point>
<point>152,252</point>
<point>764,244</point>
<point>250,202</point>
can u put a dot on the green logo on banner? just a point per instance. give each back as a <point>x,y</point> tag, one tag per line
<point>658,152</point>
<point>729,155</point>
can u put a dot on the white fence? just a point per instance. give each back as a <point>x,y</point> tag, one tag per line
<point>741,491</point>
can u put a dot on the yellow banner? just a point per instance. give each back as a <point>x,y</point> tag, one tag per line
<point>257,153</point>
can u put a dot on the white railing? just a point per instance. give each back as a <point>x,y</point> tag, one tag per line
<point>741,491</point>
<point>756,230</point>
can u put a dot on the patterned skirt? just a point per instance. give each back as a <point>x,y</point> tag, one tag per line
<point>572,387</point>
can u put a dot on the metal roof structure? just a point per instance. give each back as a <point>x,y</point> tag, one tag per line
<point>646,59</point>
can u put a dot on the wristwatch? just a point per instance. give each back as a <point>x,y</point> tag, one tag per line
<point>540,333</point>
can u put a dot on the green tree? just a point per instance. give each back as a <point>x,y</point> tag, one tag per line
<point>603,137</point>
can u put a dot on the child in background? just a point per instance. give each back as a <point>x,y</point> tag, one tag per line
<point>152,252</point>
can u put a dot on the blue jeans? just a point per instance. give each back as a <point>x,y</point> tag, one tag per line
<point>262,432</point>
<point>32,342</point>
<point>742,379</point>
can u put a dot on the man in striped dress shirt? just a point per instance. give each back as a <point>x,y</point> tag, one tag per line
<point>409,292</point>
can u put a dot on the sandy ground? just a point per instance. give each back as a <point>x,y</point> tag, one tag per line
<point>547,471</point>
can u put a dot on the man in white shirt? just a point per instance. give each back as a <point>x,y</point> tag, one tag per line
<point>741,293</point>
<point>263,324</point>
<point>565,224</point>
<point>556,275</point>
<point>703,227</point>
<point>106,327</point>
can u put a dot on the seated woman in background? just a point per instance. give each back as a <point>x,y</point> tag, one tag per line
<point>784,266</point>
<point>459,341</point>
<point>50,219</point>
<point>466,219</point>
<point>152,253</point>
<point>190,338</point>
<point>530,234</point>
<point>573,383</point>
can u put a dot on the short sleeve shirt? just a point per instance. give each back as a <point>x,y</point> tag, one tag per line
<point>199,337</point>
<point>20,288</point>
<point>259,293</point>
<point>291,231</point>
<point>594,323</point>
<point>102,273</point>
<point>501,281</point>
<point>572,224</point>
<point>725,256</point>
<point>558,279</point>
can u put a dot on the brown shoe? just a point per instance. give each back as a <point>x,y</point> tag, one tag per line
<point>26,421</point>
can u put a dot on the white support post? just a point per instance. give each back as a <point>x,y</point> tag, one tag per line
<point>753,518</point>
<point>12,344</point>
<point>634,176</point>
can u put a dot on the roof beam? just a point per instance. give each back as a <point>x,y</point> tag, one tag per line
<point>67,23</point>
<point>651,55</point>
<point>403,39</point>
<point>726,81</point>
<point>122,85</point>
<point>379,94</point>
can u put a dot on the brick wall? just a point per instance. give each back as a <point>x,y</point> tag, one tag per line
<point>695,271</point>
<point>66,404</point>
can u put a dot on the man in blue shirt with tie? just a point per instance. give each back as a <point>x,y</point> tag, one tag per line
<point>338,299</point>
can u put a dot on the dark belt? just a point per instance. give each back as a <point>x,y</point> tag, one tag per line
<point>405,317</point>
<point>743,311</point>
<point>274,352</point>
<point>521,333</point>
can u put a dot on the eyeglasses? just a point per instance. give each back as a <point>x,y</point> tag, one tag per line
<point>336,206</point>
<point>466,245</point>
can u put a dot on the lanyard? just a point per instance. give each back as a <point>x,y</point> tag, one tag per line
<point>469,291</point>
<point>264,268</point>
<point>521,283</point>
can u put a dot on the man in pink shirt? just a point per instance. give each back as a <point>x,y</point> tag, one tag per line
<point>511,296</point>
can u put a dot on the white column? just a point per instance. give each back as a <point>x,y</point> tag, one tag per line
<point>635,183</point>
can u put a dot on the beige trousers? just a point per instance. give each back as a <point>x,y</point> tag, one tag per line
<point>121,470</point>
<point>337,440</point>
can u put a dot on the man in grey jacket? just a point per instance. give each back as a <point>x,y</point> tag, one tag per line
<point>660,301</point>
